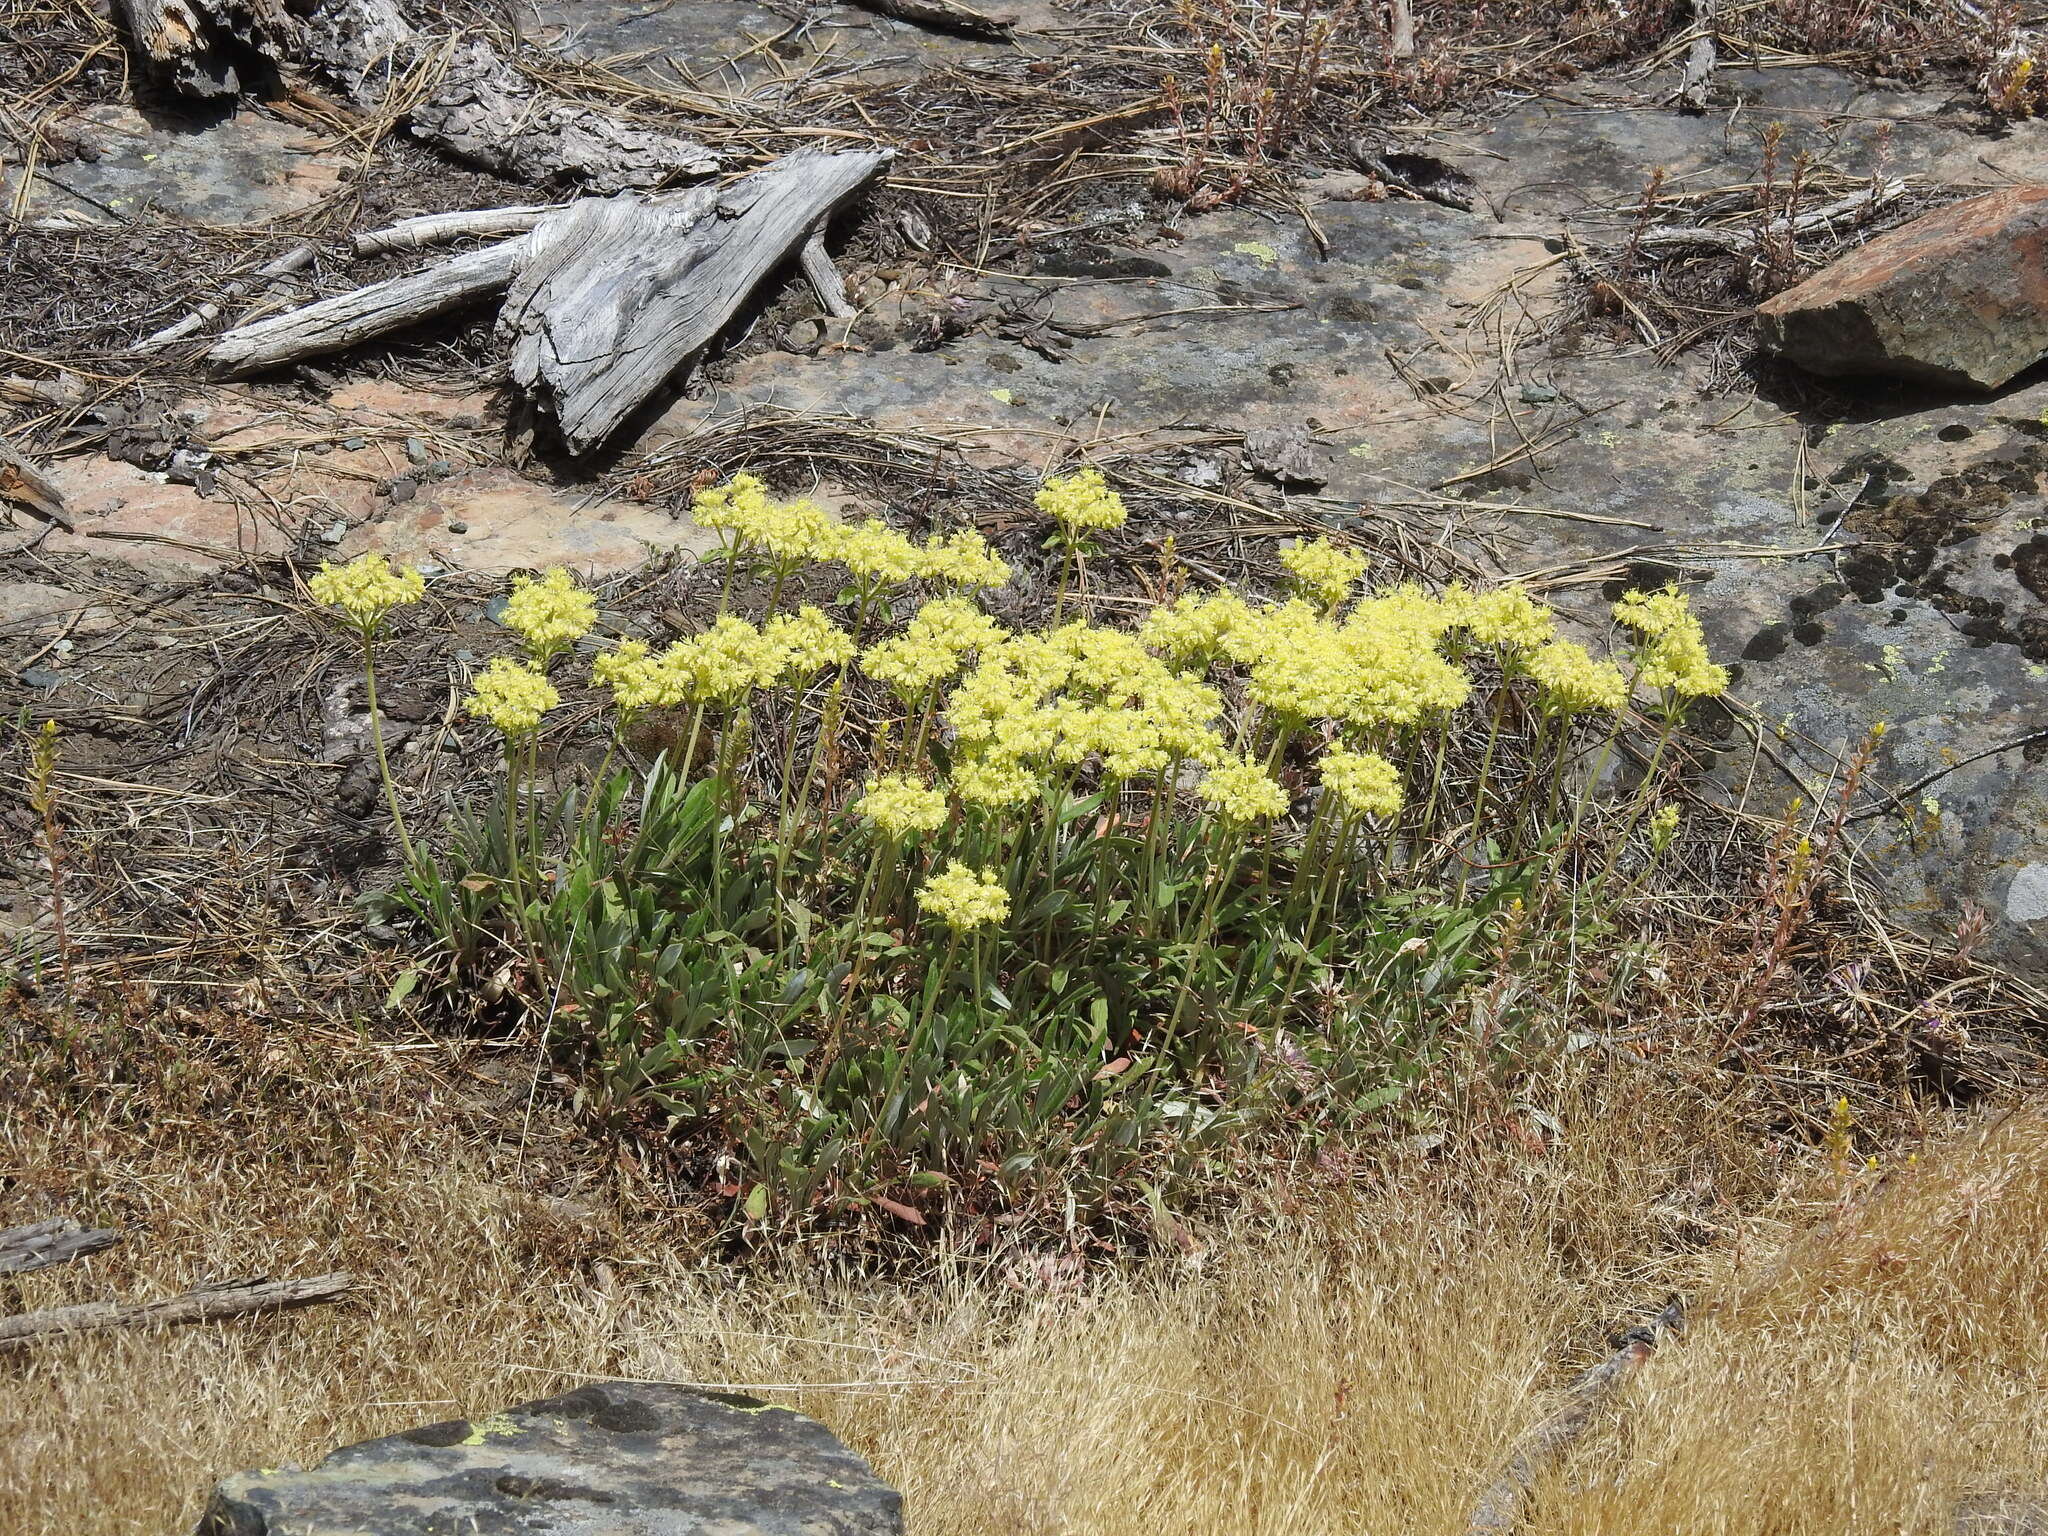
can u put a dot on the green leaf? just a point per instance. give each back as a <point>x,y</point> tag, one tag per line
<point>757,1202</point>
<point>402,988</point>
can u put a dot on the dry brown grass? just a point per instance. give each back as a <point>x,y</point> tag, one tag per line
<point>1353,1357</point>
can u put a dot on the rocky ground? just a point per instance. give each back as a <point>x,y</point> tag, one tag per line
<point>1423,349</point>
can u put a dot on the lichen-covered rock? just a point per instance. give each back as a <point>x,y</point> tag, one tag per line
<point>620,1459</point>
<point>1958,298</point>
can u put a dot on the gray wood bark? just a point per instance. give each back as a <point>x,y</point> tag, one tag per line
<point>240,1299</point>
<point>41,1244</point>
<point>476,105</point>
<point>945,16</point>
<point>438,228</point>
<point>299,256</point>
<point>23,485</point>
<point>347,319</point>
<point>1697,84</point>
<point>615,298</point>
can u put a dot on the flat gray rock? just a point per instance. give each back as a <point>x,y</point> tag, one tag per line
<point>620,1458</point>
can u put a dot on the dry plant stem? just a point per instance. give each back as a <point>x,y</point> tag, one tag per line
<point>383,758</point>
<point>43,799</point>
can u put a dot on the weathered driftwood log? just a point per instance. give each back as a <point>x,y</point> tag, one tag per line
<point>945,16</point>
<point>1500,1506</point>
<point>199,1306</point>
<point>612,298</point>
<point>461,96</point>
<point>41,1244</point>
<point>439,228</point>
<point>23,485</point>
<point>1698,81</point>
<point>347,319</point>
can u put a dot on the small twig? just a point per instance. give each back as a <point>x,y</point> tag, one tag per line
<point>291,261</point>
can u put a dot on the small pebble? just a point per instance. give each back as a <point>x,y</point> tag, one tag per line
<point>403,489</point>
<point>439,469</point>
<point>458,526</point>
<point>415,450</point>
<point>354,444</point>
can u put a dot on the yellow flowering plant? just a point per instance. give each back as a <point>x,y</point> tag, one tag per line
<point>1153,833</point>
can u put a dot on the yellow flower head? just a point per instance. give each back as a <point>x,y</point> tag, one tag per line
<point>900,805</point>
<point>964,560</point>
<point>1081,501</point>
<point>1242,791</point>
<point>1663,826</point>
<point>1572,682</point>
<point>723,664</point>
<point>366,589</point>
<point>878,553</point>
<point>512,695</point>
<point>931,647</point>
<point>637,680</point>
<point>803,644</point>
<point>1192,628</point>
<point>550,614</point>
<point>963,897</point>
<point>993,780</point>
<point>1326,571</point>
<point>1364,783</point>
<point>1507,617</point>
<point>1673,653</point>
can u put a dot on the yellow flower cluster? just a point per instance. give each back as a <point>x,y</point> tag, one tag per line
<point>797,647</point>
<point>900,805</point>
<point>1325,570</point>
<point>931,647</point>
<point>1192,628</point>
<point>1673,652</point>
<point>637,680</point>
<point>512,695</point>
<point>1364,783</point>
<point>550,614</point>
<point>792,532</point>
<point>1572,682</point>
<point>1242,791</point>
<point>1080,502</point>
<point>1380,666</point>
<point>1507,617</point>
<point>1663,825</point>
<point>366,589</point>
<point>962,897</point>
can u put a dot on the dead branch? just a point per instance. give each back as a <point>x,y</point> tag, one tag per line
<point>824,278</point>
<point>1499,1507</point>
<point>1401,29</point>
<point>439,228</point>
<point>41,1244</point>
<point>1693,89</point>
<point>239,1299</point>
<point>291,261</point>
<point>945,16</point>
<point>1867,201</point>
<point>343,321</point>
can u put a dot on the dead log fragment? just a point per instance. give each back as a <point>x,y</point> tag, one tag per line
<point>207,1303</point>
<point>486,112</point>
<point>823,277</point>
<point>613,298</point>
<point>41,1244</point>
<point>1698,80</point>
<point>291,261</point>
<point>945,16</point>
<point>25,486</point>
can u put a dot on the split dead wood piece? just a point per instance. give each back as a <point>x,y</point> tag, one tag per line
<point>439,228</point>
<point>23,485</point>
<point>41,1244</point>
<point>1500,1506</point>
<point>1698,79</point>
<point>191,44</point>
<point>824,277</point>
<point>299,256</point>
<point>205,1304</point>
<point>1429,177</point>
<point>945,16</point>
<point>1401,29</point>
<point>614,297</point>
<point>65,389</point>
<point>491,115</point>
<point>340,322</point>
<point>1870,199</point>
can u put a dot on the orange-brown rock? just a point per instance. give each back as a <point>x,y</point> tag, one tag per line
<point>1957,298</point>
